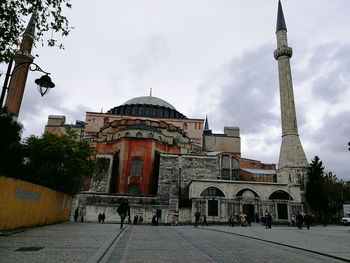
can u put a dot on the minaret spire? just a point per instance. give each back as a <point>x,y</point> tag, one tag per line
<point>281,24</point>
<point>206,124</point>
<point>292,160</point>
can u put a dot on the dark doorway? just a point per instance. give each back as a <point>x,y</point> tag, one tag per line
<point>213,208</point>
<point>155,174</point>
<point>113,183</point>
<point>282,211</point>
<point>248,209</point>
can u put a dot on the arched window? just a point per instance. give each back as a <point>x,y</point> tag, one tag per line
<point>127,134</point>
<point>212,191</point>
<point>279,194</point>
<point>136,167</point>
<point>139,135</point>
<point>150,135</point>
<point>133,189</point>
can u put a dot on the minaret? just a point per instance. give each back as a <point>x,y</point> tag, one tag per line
<point>23,58</point>
<point>292,165</point>
<point>206,124</point>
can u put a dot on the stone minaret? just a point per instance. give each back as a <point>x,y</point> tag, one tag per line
<point>292,165</point>
<point>23,58</point>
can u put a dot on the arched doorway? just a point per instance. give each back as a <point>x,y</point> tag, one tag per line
<point>281,199</point>
<point>248,198</point>
<point>213,203</point>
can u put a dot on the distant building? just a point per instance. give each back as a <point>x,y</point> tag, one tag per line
<point>172,165</point>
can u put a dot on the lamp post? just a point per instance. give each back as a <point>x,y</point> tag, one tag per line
<point>44,83</point>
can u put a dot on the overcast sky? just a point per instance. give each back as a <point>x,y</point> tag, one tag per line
<point>210,58</point>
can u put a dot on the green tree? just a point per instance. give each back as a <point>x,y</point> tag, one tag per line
<point>316,194</point>
<point>58,162</point>
<point>334,189</point>
<point>10,144</point>
<point>13,22</point>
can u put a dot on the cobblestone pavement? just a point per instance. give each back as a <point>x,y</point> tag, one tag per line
<point>67,242</point>
<point>92,242</point>
<point>186,244</point>
<point>331,240</point>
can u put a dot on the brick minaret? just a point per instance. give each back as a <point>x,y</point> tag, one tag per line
<point>292,163</point>
<point>22,59</point>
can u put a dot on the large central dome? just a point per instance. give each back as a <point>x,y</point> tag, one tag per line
<point>149,100</point>
<point>147,106</point>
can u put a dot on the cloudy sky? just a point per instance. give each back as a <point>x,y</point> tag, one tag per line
<point>206,57</point>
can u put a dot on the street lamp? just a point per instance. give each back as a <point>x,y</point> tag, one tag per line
<point>44,83</point>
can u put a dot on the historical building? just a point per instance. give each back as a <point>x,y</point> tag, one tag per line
<point>171,165</point>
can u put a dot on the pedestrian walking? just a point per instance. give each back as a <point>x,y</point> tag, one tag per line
<point>300,220</point>
<point>76,214</point>
<point>99,217</point>
<point>103,217</point>
<point>204,222</point>
<point>268,219</point>
<point>140,219</point>
<point>307,220</point>
<point>155,220</point>
<point>197,216</point>
<point>136,219</point>
<point>123,211</point>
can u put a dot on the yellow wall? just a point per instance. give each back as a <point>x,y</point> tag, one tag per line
<point>25,204</point>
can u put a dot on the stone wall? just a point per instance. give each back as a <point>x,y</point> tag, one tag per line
<point>176,173</point>
<point>90,205</point>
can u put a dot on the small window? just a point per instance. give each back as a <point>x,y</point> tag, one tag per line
<point>136,167</point>
<point>127,134</point>
<point>150,135</point>
<point>139,135</point>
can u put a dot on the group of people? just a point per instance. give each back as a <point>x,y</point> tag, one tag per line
<point>76,215</point>
<point>197,220</point>
<point>300,220</point>
<point>138,220</point>
<point>101,218</point>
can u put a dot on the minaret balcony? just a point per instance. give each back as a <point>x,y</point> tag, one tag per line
<point>283,51</point>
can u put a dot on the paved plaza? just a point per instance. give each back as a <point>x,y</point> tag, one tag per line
<point>92,242</point>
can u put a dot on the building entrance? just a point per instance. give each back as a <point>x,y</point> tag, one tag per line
<point>248,209</point>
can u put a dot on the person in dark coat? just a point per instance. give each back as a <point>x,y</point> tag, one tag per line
<point>136,219</point>
<point>99,217</point>
<point>197,216</point>
<point>307,220</point>
<point>300,220</point>
<point>268,219</point>
<point>76,214</point>
<point>123,211</point>
<point>103,217</point>
<point>154,220</point>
